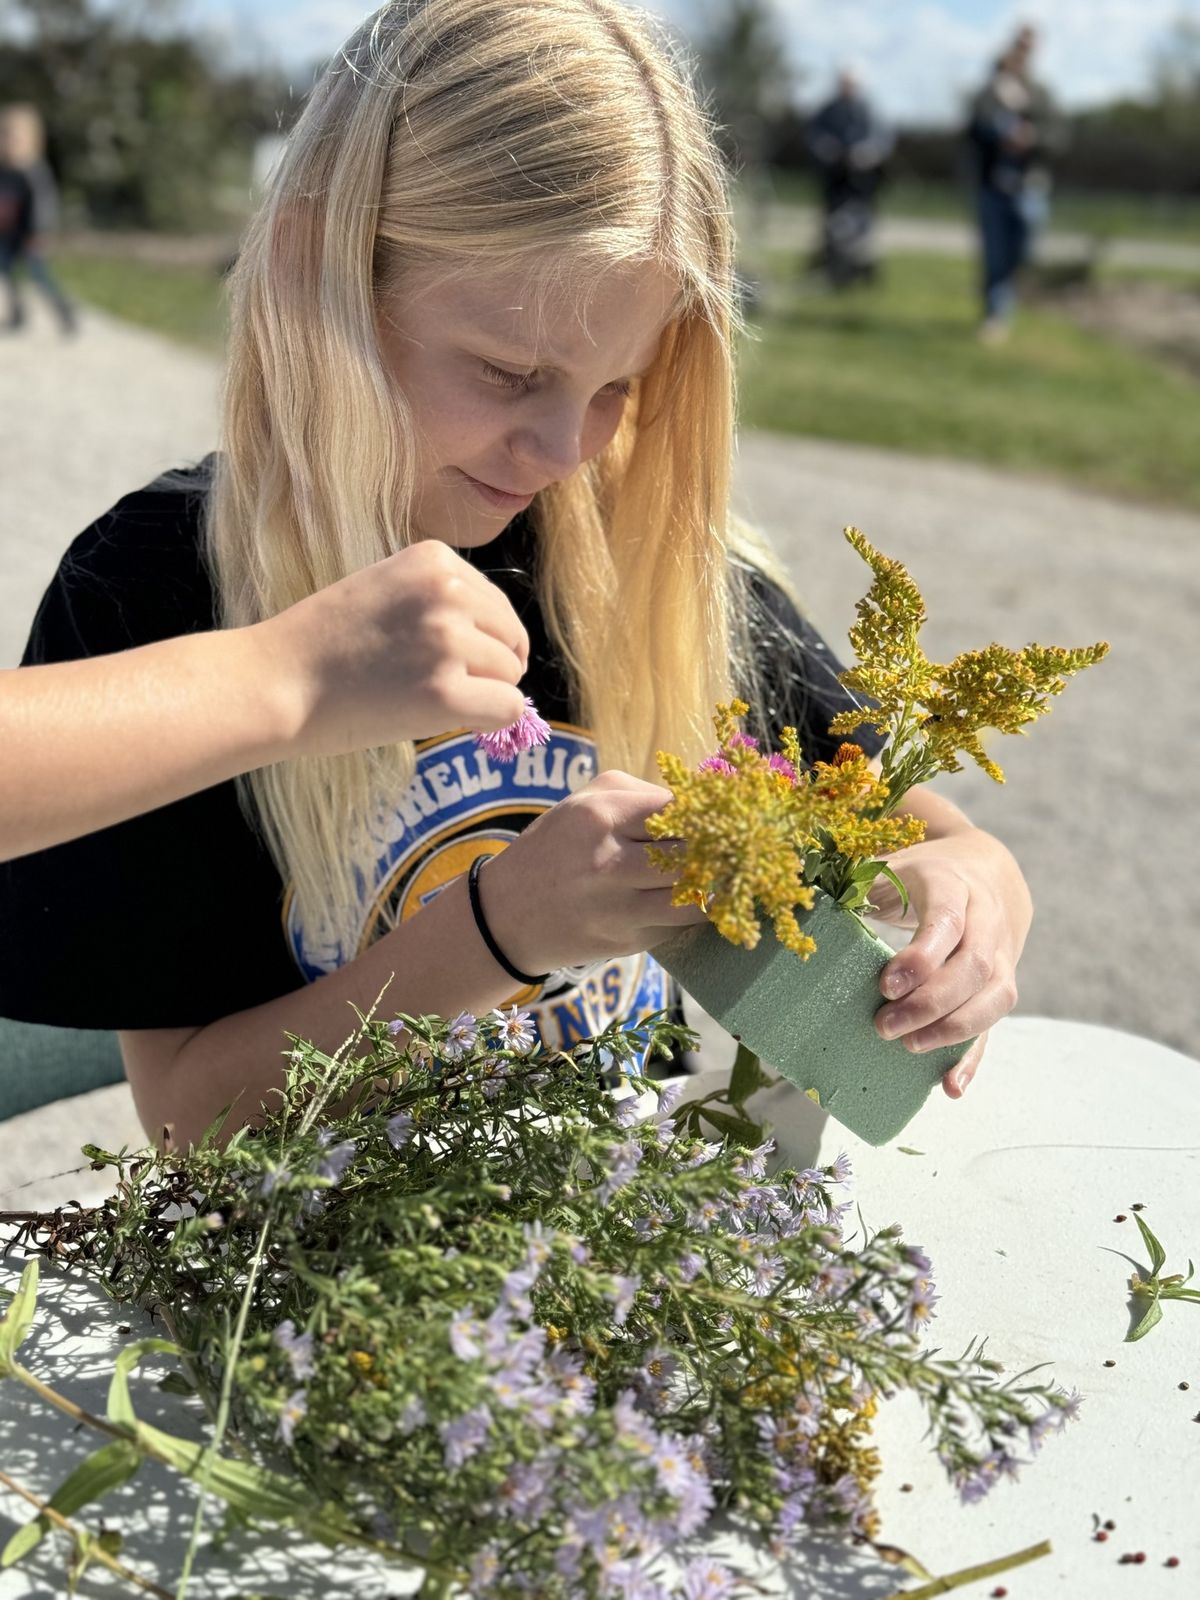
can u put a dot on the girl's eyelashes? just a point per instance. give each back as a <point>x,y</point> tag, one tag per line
<point>523,382</point>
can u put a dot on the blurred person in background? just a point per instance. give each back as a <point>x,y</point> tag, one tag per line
<point>850,145</point>
<point>1012,131</point>
<point>28,213</point>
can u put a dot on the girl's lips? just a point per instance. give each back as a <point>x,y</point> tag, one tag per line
<point>498,497</point>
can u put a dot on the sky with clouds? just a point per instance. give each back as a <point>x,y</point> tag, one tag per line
<point>918,56</point>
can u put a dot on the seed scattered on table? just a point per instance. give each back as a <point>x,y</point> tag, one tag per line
<point>1185,1385</point>
<point>1171,1561</point>
<point>1137,1206</point>
<point>999,1592</point>
<point>1110,1363</point>
<point>906,1488</point>
<point>1120,1217</point>
<point>1101,1536</point>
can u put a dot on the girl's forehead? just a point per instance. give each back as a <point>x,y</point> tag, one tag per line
<point>559,316</point>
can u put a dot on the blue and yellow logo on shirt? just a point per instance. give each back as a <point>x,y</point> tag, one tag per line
<point>459,805</point>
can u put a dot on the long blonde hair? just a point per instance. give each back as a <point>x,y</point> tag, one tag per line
<point>501,133</point>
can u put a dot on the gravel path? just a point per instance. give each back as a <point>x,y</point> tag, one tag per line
<point>1100,799</point>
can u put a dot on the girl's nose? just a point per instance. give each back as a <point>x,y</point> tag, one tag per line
<point>551,445</point>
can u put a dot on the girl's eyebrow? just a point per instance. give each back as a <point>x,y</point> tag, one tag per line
<point>548,367</point>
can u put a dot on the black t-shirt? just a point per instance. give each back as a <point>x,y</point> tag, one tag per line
<point>179,917</point>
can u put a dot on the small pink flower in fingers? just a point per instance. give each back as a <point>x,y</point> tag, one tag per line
<point>506,744</point>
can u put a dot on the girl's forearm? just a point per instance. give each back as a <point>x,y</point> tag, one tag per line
<point>436,963</point>
<point>91,743</point>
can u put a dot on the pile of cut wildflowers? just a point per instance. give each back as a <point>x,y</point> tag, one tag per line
<point>462,1302</point>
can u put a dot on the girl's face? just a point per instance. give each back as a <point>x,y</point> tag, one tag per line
<point>513,387</point>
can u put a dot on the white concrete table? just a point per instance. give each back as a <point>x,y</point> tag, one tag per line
<point>1014,1196</point>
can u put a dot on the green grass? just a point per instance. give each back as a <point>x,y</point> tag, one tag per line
<point>899,366</point>
<point>185,303</point>
<point>1119,216</point>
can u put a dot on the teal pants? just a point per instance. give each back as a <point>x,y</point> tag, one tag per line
<point>38,1065</point>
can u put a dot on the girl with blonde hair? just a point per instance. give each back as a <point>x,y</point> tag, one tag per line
<point>489,301</point>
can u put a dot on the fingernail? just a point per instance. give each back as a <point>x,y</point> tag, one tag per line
<point>896,984</point>
<point>890,1024</point>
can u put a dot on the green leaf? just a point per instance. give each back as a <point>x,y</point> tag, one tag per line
<point>17,1319</point>
<point>886,872</point>
<point>176,1383</point>
<point>738,1129</point>
<point>106,1469</point>
<point>23,1541</point>
<point>1157,1254</point>
<point>1151,1319</point>
<point>747,1076</point>
<point>249,1490</point>
<point>120,1407</point>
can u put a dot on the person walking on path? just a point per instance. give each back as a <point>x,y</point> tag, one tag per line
<point>850,145</point>
<point>1012,132</point>
<point>28,214</point>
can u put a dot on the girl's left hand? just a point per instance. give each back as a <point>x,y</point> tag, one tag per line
<point>971,908</point>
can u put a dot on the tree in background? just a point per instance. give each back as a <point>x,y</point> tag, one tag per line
<point>744,67</point>
<point>147,128</point>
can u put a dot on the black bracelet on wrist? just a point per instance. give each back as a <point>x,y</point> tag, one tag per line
<point>485,932</point>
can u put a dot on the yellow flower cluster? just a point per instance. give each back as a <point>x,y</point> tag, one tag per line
<point>749,834</point>
<point>934,713</point>
<point>741,827</point>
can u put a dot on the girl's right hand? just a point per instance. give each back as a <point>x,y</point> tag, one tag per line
<point>577,886</point>
<point>416,644</point>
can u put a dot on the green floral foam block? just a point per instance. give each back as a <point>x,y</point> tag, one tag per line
<point>812,1020</point>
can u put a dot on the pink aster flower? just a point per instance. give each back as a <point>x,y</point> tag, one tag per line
<point>506,744</point>
<point>782,766</point>
<point>715,764</point>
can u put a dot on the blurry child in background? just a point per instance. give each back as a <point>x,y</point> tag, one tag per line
<point>28,213</point>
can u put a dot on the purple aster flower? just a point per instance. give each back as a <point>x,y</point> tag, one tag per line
<point>516,1287</point>
<point>628,1580</point>
<point>623,1292</point>
<point>506,744</point>
<point>577,1389</point>
<point>716,764</point>
<point>485,1568</point>
<point>670,1095</point>
<point>690,1266</point>
<point>707,1580</point>
<point>841,1171</point>
<point>626,1159</point>
<point>464,1437</point>
<point>396,1028</point>
<point>517,1030</point>
<point>782,766</point>
<point>399,1130</point>
<point>460,1037</point>
<point>295,1408</point>
<point>337,1157</point>
<point>539,1238</point>
<point>768,1270</point>
<point>466,1335</point>
<point>412,1417</point>
<point>297,1347</point>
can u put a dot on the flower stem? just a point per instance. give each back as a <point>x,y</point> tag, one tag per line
<point>96,1551</point>
<point>988,1569</point>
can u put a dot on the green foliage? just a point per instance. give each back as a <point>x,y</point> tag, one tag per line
<point>487,1322</point>
<point>1149,1293</point>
